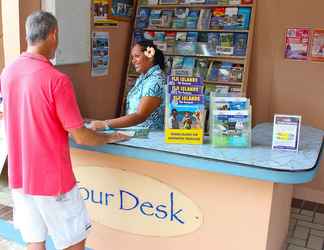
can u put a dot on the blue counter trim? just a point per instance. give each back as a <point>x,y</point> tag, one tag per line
<point>8,231</point>
<point>254,172</point>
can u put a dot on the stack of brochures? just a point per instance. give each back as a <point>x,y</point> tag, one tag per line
<point>185,110</point>
<point>230,121</point>
<point>133,132</point>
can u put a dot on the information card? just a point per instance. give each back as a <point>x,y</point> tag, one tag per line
<point>286,130</point>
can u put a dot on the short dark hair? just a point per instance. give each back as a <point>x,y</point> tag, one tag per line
<point>158,56</point>
<point>38,26</point>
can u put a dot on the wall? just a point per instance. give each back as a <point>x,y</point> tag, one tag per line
<point>11,26</point>
<point>284,86</point>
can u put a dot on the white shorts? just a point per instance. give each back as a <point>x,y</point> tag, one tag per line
<point>64,217</point>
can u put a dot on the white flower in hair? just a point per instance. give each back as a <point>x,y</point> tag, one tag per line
<point>149,52</point>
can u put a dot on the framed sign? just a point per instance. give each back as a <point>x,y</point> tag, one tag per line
<point>286,130</point>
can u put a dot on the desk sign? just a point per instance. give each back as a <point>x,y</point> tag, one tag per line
<point>135,203</point>
<point>286,130</point>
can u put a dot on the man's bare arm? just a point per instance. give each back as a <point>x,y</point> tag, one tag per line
<point>89,137</point>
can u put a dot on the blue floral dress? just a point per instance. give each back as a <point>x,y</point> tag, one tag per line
<point>150,84</point>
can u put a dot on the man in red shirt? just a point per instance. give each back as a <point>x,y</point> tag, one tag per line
<point>40,109</point>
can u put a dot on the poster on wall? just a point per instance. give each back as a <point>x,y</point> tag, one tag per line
<point>101,17</point>
<point>317,45</point>
<point>100,54</point>
<point>297,43</point>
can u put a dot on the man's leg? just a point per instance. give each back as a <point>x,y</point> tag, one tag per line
<point>66,219</point>
<point>78,246</point>
<point>28,220</point>
<point>36,246</point>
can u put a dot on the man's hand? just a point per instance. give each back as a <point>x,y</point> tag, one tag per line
<point>88,137</point>
<point>97,125</point>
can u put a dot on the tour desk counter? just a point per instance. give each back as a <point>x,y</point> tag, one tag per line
<point>146,194</point>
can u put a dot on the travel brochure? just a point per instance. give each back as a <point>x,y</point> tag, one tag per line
<point>185,110</point>
<point>100,54</point>
<point>230,121</point>
<point>101,14</point>
<point>215,2</point>
<point>220,18</point>
<point>286,131</point>
<point>106,13</point>
<point>133,132</point>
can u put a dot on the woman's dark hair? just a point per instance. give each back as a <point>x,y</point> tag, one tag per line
<point>158,56</point>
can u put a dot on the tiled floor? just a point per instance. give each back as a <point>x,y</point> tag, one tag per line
<point>306,229</point>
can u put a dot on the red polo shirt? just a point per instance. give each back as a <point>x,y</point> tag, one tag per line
<point>39,107</point>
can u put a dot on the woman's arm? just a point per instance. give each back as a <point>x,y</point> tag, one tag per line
<point>146,106</point>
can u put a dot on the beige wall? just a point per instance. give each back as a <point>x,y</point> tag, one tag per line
<point>11,29</point>
<point>278,85</point>
<point>285,86</point>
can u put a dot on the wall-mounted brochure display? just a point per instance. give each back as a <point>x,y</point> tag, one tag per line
<point>210,39</point>
<point>304,44</point>
<point>286,130</point>
<point>184,110</point>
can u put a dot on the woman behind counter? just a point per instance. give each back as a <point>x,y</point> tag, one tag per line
<point>144,104</point>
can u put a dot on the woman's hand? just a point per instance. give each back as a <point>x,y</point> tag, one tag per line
<point>97,125</point>
<point>117,137</point>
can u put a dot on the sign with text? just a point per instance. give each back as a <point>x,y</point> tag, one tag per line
<point>137,204</point>
<point>286,130</point>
